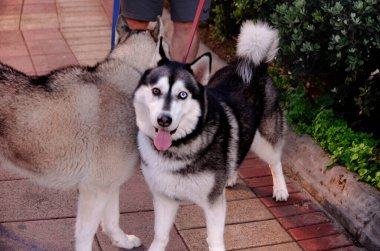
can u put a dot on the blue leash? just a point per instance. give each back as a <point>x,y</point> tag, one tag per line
<point>115,15</point>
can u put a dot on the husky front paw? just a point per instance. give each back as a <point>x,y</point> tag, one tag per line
<point>128,242</point>
<point>280,194</point>
<point>219,247</point>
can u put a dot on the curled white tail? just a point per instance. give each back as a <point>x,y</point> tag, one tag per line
<point>257,43</point>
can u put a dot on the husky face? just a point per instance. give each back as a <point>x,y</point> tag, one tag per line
<point>168,100</point>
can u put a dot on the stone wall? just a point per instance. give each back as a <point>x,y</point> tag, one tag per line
<point>354,204</point>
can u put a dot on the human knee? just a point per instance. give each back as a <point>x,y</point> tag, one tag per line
<point>134,24</point>
<point>182,28</point>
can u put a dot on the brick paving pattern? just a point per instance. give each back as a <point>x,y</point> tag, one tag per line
<point>37,36</point>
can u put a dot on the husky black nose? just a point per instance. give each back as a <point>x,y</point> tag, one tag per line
<point>164,120</point>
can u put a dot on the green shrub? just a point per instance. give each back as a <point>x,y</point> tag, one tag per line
<point>226,15</point>
<point>335,45</point>
<point>338,43</point>
<point>358,151</point>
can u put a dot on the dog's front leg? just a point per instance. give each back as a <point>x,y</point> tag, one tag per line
<point>165,210</point>
<point>110,223</point>
<point>215,218</point>
<point>91,204</point>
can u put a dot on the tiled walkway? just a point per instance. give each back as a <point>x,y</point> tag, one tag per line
<point>37,36</point>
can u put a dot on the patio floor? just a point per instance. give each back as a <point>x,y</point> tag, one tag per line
<point>37,36</point>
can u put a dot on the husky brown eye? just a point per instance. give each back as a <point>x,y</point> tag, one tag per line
<point>156,92</point>
<point>182,95</point>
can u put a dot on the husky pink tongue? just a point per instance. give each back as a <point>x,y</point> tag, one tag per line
<point>162,140</point>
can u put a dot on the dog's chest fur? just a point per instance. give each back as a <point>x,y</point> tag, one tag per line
<point>163,175</point>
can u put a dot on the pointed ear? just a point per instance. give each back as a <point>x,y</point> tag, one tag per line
<point>158,30</point>
<point>162,46</point>
<point>159,56</point>
<point>201,68</point>
<point>122,28</point>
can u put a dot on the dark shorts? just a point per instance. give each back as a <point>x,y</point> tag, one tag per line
<point>148,10</point>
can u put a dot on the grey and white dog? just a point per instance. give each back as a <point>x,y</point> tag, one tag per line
<point>194,133</point>
<point>72,128</point>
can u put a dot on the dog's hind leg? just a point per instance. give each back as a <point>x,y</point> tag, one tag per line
<point>91,204</point>
<point>232,178</point>
<point>110,223</point>
<point>272,155</point>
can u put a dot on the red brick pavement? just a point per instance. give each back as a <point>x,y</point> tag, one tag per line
<point>299,216</point>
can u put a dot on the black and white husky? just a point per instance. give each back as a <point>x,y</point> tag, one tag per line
<point>194,133</point>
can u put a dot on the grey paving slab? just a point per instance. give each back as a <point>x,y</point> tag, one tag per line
<point>77,3</point>
<point>88,36</point>
<point>13,49</point>
<point>135,195</point>
<point>9,22</point>
<point>248,210</point>
<point>141,225</point>
<point>239,191</point>
<point>7,175</point>
<point>89,45</point>
<point>291,246</point>
<point>51,46</point>
<point>90,54</point>
<point>81,13</point>
<point>22,200</point>
<point>46,63</point>
<point>82,20</point>
<point>25,200</point>
<point>240,236</point>
<point>103,47</point>
<point>10,9</point>
<point>38,21</point>
<point>10,2</point>
<point>44,235</point>
<point>41,34</point>
<point>12,36</point>
<point>21,63</point>
<point>38,1</point>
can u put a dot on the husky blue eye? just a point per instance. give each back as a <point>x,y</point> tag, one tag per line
<point>182,95</point>
<point>156,91</point>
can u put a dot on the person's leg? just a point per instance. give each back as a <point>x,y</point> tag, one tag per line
<point>182,14</point>
<point>180,40</point>
<point>139,13</point>
<point>134,24</point>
